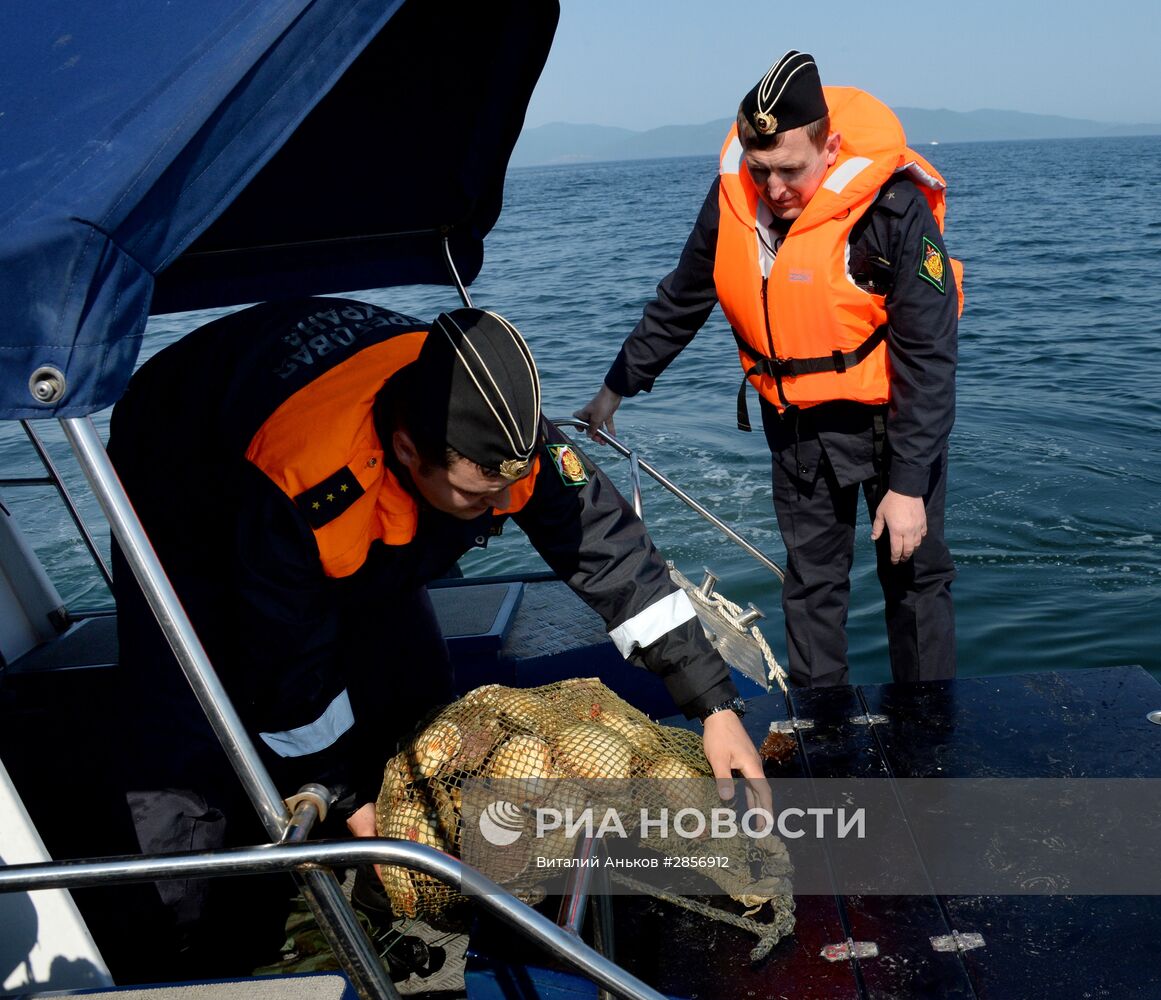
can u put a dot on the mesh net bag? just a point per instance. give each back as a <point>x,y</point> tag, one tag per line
<point>574,729</point>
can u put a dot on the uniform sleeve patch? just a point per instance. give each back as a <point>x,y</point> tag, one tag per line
<point>933,266</point>
<point>321,504</point>
<point>568,465</point>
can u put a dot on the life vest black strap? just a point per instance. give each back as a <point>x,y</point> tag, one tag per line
<point>836,361</point>
<point>780,368</point>
<point>743,410</point>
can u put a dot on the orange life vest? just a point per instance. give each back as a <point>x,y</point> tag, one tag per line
<point>822,337</point>
<point>321,449</point>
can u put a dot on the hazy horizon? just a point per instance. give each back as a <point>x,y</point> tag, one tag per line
<point>643,64</point>
<point>971,111</point>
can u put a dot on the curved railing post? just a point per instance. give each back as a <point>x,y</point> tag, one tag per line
<point>677,491</point>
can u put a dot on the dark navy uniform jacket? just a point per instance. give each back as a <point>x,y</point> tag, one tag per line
<point>921,343</point>
<point>307,659</point>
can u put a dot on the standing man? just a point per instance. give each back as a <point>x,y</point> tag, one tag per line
<point>822,241</point>
<point>304,469</point>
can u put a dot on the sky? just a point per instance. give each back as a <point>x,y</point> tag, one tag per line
<point>639,64</point>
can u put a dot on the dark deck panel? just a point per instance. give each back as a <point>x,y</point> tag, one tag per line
<point>1088,723</point>
<point>1060,724</point>
<point>1074,724</point>
<point>838,746</point>
<point>89,643</point>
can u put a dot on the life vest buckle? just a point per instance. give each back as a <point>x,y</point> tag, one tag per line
<point>774,367</point>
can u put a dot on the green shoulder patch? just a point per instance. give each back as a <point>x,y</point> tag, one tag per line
<point>568,465</point>
<point>933,266</point>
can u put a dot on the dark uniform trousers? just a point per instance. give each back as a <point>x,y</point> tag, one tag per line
<point>817,512</point>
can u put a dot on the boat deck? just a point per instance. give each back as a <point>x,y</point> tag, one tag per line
<point>1075,724</point>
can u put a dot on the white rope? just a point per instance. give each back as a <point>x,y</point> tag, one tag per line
<point>774,669</point>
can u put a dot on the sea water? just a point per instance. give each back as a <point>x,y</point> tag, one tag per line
<point>1054,510</point>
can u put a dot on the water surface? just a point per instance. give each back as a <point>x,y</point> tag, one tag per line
<point>1054,511</point>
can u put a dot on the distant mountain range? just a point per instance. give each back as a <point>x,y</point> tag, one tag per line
<point>563,143</point>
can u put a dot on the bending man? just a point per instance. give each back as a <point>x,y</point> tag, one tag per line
<point>304,469</point>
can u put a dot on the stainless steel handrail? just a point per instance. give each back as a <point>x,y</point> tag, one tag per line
<point>322,890</point>
<point>636,461</point>
<point>635,480</point>
<point>285,857</point>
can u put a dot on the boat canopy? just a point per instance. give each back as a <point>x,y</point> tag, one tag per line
<point>162,157</point>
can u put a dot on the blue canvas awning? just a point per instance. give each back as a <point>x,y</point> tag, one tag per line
<point>157,157</point>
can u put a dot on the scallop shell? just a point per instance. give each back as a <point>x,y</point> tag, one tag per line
<point>435,747</point>
<point>397,783</point>
<point>589,750</point>
<point>406,888</point>
<point>642,736</point>
<point>678,785</point>
<point>399,884</point>
<point>449,809</point>
<point>672,767</point>
<point>412,821</point>
<point>526,760</point>
<point>522,756</point>
<point>522,709</point>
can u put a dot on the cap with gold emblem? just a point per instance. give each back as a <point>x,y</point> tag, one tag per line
<point>477,379</point>
<point>788,96</point>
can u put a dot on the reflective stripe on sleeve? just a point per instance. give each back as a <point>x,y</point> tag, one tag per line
<point>317,735</point>
<point>647,626</point>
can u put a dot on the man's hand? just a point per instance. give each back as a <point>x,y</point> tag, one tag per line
<point>362,824</point>
<point>905,519</point>
<point>362,821</point>
<point>729,749</point>
<point>598,413</point>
